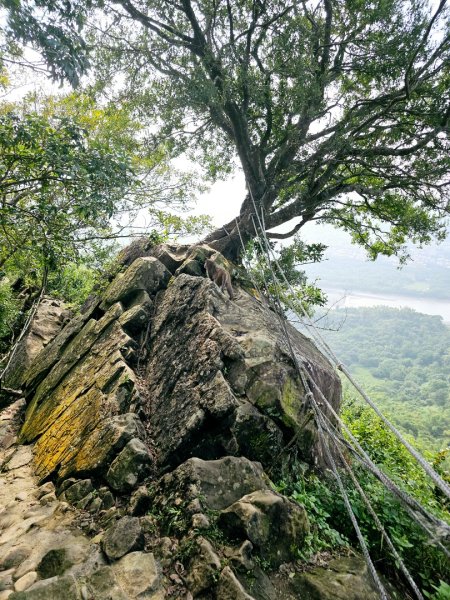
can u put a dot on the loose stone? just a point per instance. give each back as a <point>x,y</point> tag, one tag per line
<point>123,537</point>
<point>26,581</point>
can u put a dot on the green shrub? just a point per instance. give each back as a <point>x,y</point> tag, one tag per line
<point>316,496</point>
<point>73,283</point>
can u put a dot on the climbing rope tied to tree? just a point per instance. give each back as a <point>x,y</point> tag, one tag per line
<point>269,254</point>
<point>437,530</point>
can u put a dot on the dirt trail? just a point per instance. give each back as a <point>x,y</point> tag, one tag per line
<point>32,520</point>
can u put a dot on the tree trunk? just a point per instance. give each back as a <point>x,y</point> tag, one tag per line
<point>231,239</point>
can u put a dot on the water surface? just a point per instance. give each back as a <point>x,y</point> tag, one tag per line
<point>356,299</point>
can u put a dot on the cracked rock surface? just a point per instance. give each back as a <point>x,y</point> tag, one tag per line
<point>153,420</point>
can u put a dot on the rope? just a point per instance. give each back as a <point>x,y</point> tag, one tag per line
<point>411,504</point>
<point>350,512</point>
<point>445,488</point>
<point>311,399</point>
<point>375,518</point>
<point>407,500</point>
<point>439,482</point>
<point>440,528</point>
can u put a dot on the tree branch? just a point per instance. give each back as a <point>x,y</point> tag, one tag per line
<point>156,26</point>
<point>285,236</point>
<point>325,60</point>
<point>423,41</point>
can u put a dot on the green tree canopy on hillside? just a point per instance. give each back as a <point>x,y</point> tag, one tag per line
<point>402,358</point>
<point>336,111</point>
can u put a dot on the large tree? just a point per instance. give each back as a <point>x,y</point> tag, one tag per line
<point>338,110</point>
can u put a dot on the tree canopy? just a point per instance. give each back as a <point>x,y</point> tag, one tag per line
<point>74,175</point>
<point>55,186</point>
<point>336,111</point>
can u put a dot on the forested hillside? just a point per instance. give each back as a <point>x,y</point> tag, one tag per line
<point>403,359</point>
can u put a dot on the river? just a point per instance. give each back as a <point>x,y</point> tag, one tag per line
<point>356,299</point>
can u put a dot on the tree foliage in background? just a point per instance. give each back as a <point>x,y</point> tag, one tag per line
<point>75,177</point>
<point>336,111</point>
<point>57,187</point>
<point>9,309</point>
<point>402,359</point>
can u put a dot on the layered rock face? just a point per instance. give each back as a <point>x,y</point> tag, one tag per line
<point>50,317</point>
<point>161,410</point>
<point>83,387</point>
<point>221,378</point>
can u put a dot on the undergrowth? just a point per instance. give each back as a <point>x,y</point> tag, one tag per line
<point>331,528</point>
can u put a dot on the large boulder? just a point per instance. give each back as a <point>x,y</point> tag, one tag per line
<point>138,575</point>
<point>77,491</point>
<point>275,526</point>
<point>144,274</point>
<point>124,536</point>
<point>215,483</point>
<point>129,467</point>
<point>342,579</point>
<point>171,255</point>
<point>222,379</point>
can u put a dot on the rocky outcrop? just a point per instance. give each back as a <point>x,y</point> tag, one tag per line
<point>124,536</point>
<point>218,377</point>
<point>84,384</point>
<point>218,483</point>
<point>50,317</point>
<point>156,415</point>
<point>129,467</point>
<point>221,378</point>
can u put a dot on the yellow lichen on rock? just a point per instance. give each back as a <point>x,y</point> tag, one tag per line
<point>67,418</point>
<point>60,443</point>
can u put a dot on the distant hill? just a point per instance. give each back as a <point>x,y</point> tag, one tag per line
<point>346,267</point>
<point>403,360</point>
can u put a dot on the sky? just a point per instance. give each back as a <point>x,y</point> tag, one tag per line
<point>223,200</point>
